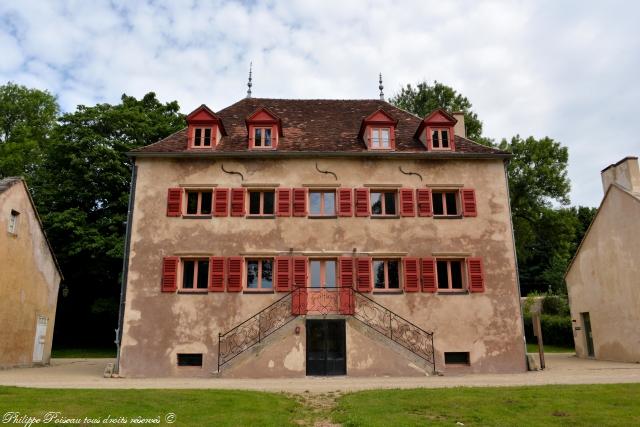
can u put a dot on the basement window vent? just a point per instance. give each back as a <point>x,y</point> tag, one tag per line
<point>189,359</point>
<point>456,358</point>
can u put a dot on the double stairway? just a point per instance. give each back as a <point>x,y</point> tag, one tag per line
<point>325,301</point>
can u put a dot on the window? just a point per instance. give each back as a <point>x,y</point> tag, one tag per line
<point>386,274</point>
<point>445,203</point>
<point>323,273</point>
<point>456,358</point>
<point>195,274</point>
<point>262,137</point>
<point>260,274</point>
<point>380,138</point>
<point>189,359</point>
<point>322,203</point>
<point>199,202</point>
<point>261,202</point>
<point>450,275</point>
<point>202,137</point>
<point>13,222</point>
<point>440,139</point>
<point>383,203</point>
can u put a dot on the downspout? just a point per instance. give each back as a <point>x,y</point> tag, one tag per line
<point>515,258</point>
<point>125,264</point>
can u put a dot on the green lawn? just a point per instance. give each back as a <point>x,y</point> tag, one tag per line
<point>584,405</point>
<point>82,353</point>
<point>533,348</point>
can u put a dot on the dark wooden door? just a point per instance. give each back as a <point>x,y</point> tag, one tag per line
<point>586,322</point>
<point>326,347</point>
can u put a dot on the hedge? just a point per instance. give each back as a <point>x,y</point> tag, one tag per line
<point>556,330</point>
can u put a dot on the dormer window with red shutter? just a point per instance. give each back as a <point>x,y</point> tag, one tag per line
<point>436,131</point>
<point>264,129</point>
<point>204,129</point>
<point>378,131</point>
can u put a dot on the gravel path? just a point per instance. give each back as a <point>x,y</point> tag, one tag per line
<point>87,373</point>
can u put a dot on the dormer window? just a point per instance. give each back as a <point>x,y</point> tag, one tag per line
<point>440,139</point>
<point>262,137</point>
<point>264,129</point>
<point>378,131</point>
<point>436,131</point>
<point>380,138</point>
<point>204,129</point>
<point>202,137</point>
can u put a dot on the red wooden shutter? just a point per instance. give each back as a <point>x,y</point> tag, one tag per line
<point>476,274</point>
<point>283,202</point>
<point>424,202</point>
<point>429,275</point>
<point>469,202</point>
<point>345,202</point>
<point>234,273</point>
<point>299,202</point>
<point>299,300</point>
<point>362,201</point>
<point>363,274</point>
<point>216,269</point>
<point>221,202</point>
<point>407,205</point>
<point>237,201</point>
<point>345,281</point>
<point>170,273</point>
<point>411,270</point>
<point>283,274</point>
<point>174,202</point>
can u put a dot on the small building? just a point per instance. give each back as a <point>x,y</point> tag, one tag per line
<point>29,280</point>
<point>603,280</point>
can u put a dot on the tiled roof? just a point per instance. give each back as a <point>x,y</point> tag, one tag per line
<point>313,125</point>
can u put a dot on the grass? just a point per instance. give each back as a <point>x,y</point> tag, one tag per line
<point>610,404</point>
<point>533,348</point>
<point>83,353</point>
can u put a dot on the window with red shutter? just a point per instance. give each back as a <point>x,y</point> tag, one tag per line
<point>234,273</point>
<point>423,196</point>
<point>216,267</point>
<point>345,281</point>
<point>283,202</point>
<point>299,300</point>
<point>362,201</point>
<point>174,202</point>
<point>221,202</point>
<point>345,202</point>
<point>170,273</point>
<point>407,203</point>
<point>429,275</point>
<point>469,202</point>
<point>283,274</point>
<point>363,274</point>
<point>411,270</point>
<point>299,202</point>
<point>237,201</point>
<point>476,274</point>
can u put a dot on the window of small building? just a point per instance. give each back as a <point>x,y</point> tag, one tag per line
<point>380,138</point>
<point>261,202</point>
<point>262,137</point>
<point>323,273</point>
<point>199,202</point>
<point>440,139</point>
<point>383,203</point>
<point>322,203</point>
<point>189,359</point>
<point>202,137</point>
<point>456,358</point>
<point>450,275</point>
<point>445,203</point>
<point>260,274</point>
<point>386,274</point>
<point>195,274</point>
<point>12,227</point>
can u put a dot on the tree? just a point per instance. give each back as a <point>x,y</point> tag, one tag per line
<point>424,98</point>
<point>27,117</point>
<point>82,195</point>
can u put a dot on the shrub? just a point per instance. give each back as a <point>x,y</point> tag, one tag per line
<point>555,304</point>
<point>556,330</point>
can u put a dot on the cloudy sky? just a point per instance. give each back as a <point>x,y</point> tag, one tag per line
<point>563,69</point>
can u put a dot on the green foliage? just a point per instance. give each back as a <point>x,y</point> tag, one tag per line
<point>424,98</point>
<point>556,330</point>
<point>555,304</point>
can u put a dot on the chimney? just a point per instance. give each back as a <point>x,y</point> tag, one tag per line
<point>625,173</point>
<point>459,129</point>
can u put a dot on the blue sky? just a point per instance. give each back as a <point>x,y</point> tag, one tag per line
<point>564,69</point>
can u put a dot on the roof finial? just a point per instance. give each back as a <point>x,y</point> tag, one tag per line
<point>381,87</point>
<point>249,84</point>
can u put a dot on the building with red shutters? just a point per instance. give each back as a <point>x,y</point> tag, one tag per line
<point>284,238</point>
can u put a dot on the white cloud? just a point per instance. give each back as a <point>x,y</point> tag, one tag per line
<point>563,69</point>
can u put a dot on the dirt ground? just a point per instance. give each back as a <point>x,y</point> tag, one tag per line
<point>88,373</point>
